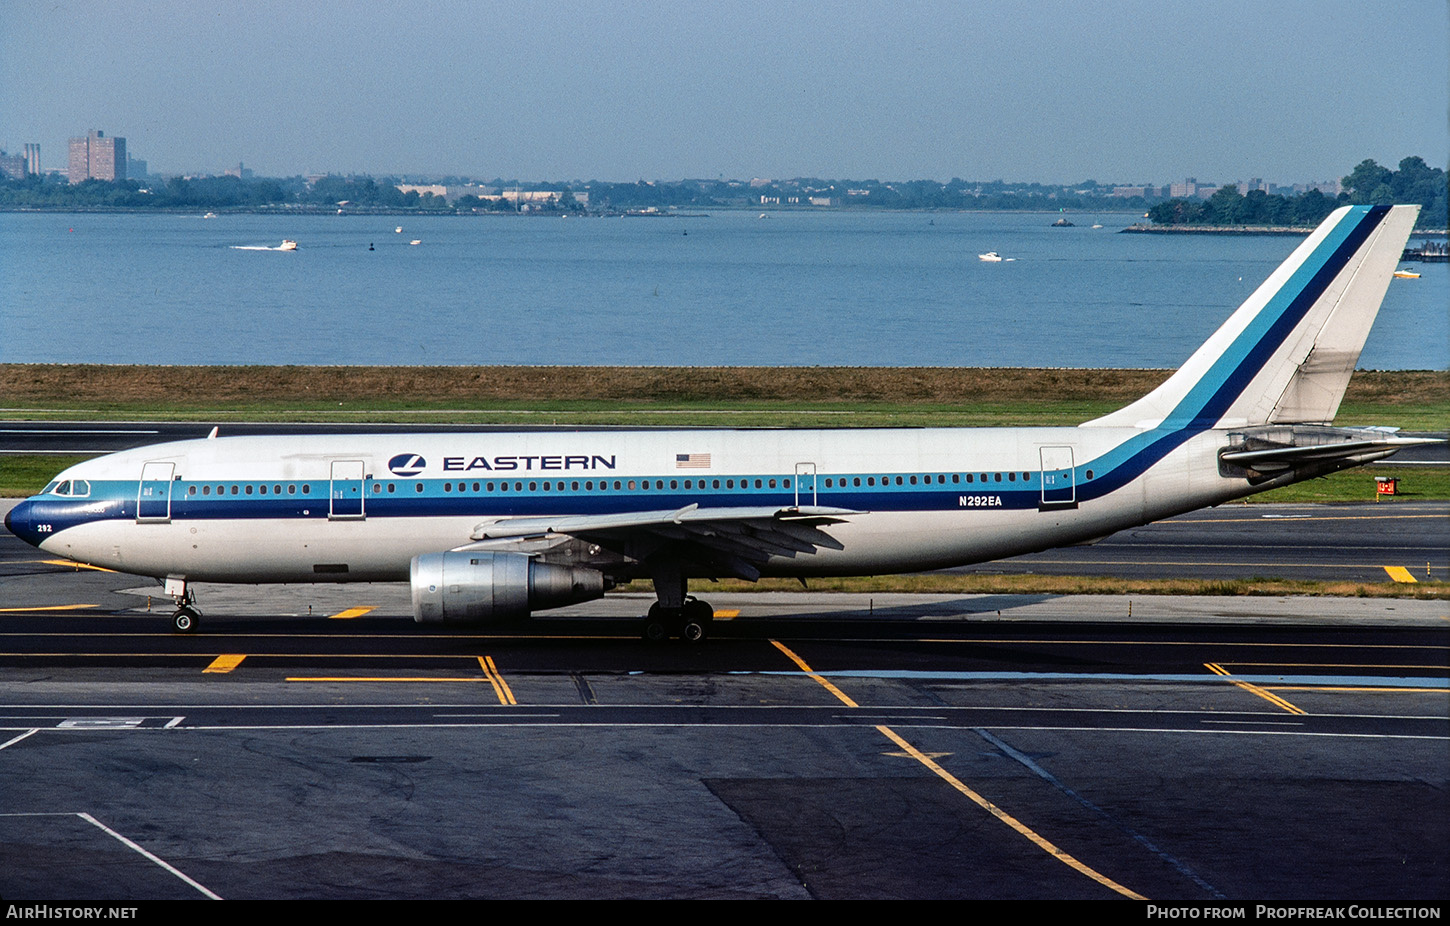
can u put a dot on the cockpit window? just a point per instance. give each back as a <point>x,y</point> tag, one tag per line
<point>49,489</point>
<point>77,488</point>
<point>63,488</point>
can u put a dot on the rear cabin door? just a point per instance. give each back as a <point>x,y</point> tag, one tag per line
<point>1059,485</point>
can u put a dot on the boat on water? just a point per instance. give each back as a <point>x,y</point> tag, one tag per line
<point>992,257</point>
<point>1407,275</point>
<point>416,241</point>
<point>288,245</point>
<point>1062,223</point>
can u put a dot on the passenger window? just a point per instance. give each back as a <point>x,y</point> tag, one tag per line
<point>191,491</point>
<point>249,488</point>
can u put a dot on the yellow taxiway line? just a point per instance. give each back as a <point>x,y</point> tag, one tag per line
<point>1252,689</point>
<point>991,808</point>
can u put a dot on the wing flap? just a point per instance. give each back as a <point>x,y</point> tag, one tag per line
<point>731,541</point>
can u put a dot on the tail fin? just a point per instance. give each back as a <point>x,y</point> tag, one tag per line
<point>1286,355</point>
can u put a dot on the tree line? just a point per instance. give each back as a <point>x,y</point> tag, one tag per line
<point>1368,184</point>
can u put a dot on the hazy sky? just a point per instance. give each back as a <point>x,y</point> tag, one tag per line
<point>1053,91</point>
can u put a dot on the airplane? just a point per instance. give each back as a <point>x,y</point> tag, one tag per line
<point>490,527</point>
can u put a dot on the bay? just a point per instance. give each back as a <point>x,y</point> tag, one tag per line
<point>729,288</point>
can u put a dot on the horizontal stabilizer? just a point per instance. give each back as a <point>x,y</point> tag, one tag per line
<point>1359,451</point>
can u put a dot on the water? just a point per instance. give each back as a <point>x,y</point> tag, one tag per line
<point>825,288</point>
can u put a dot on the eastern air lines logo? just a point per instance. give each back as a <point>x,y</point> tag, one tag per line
<point>407,464</point>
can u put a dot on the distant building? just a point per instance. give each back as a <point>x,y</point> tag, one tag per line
<point>136,168</point>
<point>12,165</point>
<point>1185,190</point>
<point>1327,187</point>
<point>32,158</point>
<point>241,172</point>
<point>1130,192</point>
<point>96,157</point>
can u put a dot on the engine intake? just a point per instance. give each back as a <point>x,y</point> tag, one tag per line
<point>459,588</point>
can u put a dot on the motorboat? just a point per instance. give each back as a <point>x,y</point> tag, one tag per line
<point>288,245</point>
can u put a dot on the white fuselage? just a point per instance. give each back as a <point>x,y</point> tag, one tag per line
<point>360,507</point>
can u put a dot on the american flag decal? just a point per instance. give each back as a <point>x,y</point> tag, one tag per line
<point>692,461</point>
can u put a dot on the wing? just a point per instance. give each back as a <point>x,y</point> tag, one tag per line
<point>715,541</point>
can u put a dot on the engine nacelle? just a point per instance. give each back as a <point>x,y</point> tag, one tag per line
<point>458,588</point>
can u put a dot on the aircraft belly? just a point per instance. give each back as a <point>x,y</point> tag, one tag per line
<point>257,550</point>
<point>886,542</point>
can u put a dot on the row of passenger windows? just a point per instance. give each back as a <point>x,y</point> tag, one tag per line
<point>604,485</point>
<point>589,485</point>
<point>646,485</point>
<point>248,489</point>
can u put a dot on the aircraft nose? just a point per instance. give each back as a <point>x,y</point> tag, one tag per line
<point>17,522</point>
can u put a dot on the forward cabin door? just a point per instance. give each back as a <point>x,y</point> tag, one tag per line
<point>153,496</point>
<point>345,496</point>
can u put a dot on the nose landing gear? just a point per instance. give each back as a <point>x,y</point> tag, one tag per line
<point>187,614</point>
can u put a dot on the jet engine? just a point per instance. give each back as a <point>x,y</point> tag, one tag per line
<point>463,587</point>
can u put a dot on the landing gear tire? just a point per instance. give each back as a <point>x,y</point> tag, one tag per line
<point>699,617</point>
<point>656,625</point>
<point>184,620</point>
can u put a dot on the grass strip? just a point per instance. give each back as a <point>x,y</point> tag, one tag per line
<point>1034,584</point>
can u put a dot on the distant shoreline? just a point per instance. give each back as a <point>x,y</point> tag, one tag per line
<point>1244,230</point>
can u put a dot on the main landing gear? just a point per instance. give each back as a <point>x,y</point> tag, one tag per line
<point>187,614</point>
<point>690,622</point>
<point>676,613</point>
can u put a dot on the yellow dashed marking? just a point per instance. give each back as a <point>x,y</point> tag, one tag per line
<point>226,662</point>
<point>350,613</point>
<point>1269,696</point>
<point>50,607</point>
<point>725,614</point>
<point>1400,574</point>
